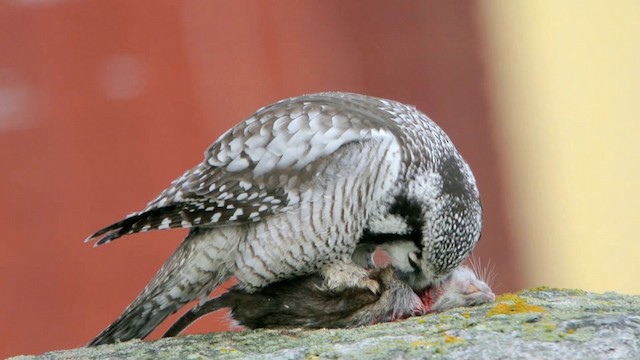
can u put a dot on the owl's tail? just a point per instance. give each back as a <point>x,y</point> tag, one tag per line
<point>191,272</point>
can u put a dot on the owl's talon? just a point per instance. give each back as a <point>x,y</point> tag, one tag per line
<point>340,276</point>
<point>372,285</point>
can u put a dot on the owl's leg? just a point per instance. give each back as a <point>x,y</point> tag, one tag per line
<point>342,275</point>
<point>397,301</point>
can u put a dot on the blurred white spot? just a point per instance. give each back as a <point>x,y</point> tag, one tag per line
<point>123,77</point>
<point>15,99</point>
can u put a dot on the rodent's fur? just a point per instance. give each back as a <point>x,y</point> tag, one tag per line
<point>463,288</point>
<point>303,302</point>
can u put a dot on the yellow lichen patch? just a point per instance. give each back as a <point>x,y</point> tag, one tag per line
<point>512,304</point>
<point>507,297</point>
<point>540,288</point>
<point>571,331</point>
<point>419,343</point>
<point>450,339</point>
<point>466,315</point>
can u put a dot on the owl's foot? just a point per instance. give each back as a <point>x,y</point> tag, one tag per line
<point>398,300</point>
<point>340,276</point>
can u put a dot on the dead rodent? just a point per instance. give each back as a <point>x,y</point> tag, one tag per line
<point>463,288</point>
<point>302,302</point>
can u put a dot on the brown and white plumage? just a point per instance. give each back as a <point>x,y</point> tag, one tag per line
<point>291,191</point>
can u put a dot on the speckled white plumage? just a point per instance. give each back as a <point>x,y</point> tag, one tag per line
<point>291,191</point>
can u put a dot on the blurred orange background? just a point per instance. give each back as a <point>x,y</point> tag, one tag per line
<point>103,103</point>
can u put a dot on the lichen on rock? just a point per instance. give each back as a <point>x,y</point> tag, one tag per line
<point>537,323</point>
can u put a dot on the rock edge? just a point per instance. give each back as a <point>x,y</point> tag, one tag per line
<point>539,323</point>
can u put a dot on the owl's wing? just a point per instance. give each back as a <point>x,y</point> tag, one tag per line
<point>260,166</point>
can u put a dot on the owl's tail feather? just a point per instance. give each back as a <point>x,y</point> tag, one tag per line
<point>168,217</point>
<point>189,273</point>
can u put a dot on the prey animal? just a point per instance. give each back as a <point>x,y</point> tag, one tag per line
<point>302,302</point>
<point>291,191</point>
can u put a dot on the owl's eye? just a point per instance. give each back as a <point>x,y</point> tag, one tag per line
<point>413,261</point>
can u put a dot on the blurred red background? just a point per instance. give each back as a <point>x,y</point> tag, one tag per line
<point>103,103</point>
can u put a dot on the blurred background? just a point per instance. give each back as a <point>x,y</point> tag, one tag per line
<point>103,103</point>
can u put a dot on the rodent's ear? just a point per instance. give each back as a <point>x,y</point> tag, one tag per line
<point>470,288</point>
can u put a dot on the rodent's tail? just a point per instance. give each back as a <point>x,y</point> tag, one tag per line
<point>195,313</point>
<point>189,273</point>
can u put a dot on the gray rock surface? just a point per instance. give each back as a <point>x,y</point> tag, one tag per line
<point>539,323</point>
